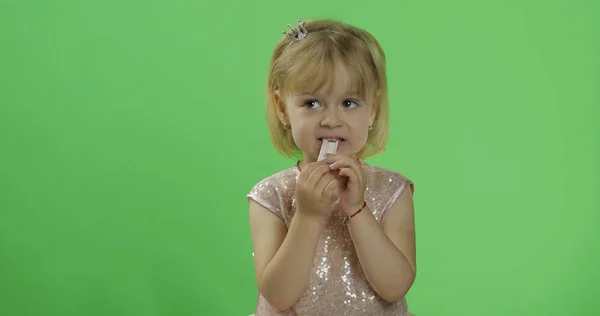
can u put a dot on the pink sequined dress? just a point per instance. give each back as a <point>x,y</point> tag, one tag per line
<point>337,285</point>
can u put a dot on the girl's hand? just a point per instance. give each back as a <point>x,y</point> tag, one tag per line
<point>353,195</point>
<point>316,189</point>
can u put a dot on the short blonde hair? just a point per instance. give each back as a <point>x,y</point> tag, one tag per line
<point>309,64</point>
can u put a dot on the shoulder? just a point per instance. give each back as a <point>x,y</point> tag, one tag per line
<point>274,192</point>
<point>385,187</point>
<point>387,180</point>
<point>271,184</point>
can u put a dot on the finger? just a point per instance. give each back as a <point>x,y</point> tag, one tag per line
<point>359,170</point>
<point>353,179</point>
<point>329,158</point>
<point>308,169</point>
<point>347,162</point>
<point>331,187</point>
<point>317,173</point>
<point>324,182</point>
<point>342,163</point>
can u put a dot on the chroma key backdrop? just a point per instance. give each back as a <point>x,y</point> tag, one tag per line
<point>131,132</point>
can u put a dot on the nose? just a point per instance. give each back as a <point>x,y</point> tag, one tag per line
<point>331,118</point>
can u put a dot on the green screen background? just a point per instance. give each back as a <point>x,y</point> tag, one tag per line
<point>130,132</point>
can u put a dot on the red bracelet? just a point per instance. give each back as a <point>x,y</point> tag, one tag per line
<point>347,218</point>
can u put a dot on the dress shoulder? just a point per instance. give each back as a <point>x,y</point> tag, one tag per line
<point>386,186</point>
<point>275,191</point>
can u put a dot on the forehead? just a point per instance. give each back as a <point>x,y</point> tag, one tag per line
<point>334,78</point>
<point>336,82</point>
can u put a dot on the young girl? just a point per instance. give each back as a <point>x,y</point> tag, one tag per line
<point>331,237</point>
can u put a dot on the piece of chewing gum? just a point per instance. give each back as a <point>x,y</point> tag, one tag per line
<point>328,147</point>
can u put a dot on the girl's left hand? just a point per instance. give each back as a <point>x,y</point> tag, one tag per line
<point>353,195</point>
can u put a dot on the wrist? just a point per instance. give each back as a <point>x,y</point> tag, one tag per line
<point>310,220</point>
<point>350,209</point>
<point>357,211</point>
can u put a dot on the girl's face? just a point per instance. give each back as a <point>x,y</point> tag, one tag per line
<point>329,113</point>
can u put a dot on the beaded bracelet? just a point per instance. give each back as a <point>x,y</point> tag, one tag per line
<point>347,218</point>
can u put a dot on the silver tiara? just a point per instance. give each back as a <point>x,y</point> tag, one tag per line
<point>299,33</point>
<point>296,34</point>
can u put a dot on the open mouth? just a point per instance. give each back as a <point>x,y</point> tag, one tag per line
<point>340,141</point>
<point>332,139</point>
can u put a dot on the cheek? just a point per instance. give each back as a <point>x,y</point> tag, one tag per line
<point>301,134</point>
<point>361,131</point>
<point>297,135</point>
<point>362,138</point>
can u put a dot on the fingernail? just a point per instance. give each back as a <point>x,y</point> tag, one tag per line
<point>331,165</point>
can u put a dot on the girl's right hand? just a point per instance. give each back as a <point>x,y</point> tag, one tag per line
<point>316,189</point>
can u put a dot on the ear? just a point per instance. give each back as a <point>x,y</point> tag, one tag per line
<point>280,108</point>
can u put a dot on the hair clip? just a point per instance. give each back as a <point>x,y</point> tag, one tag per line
<point>297,34</point>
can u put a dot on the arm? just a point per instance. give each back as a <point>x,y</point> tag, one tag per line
<point>387,254</point>
<point>283,261</point>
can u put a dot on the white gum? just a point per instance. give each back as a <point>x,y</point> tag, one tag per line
<point>329,146</point>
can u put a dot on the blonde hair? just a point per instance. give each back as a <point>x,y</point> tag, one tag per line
<point>309,64</point>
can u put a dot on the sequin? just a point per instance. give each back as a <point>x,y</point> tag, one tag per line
<point>337,285</point>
